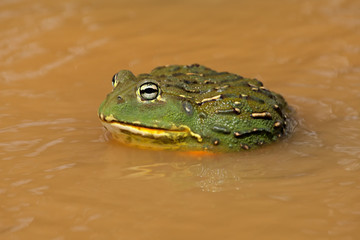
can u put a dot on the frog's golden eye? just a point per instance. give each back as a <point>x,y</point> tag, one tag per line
<point>114,81</point>
<point>149,91</point>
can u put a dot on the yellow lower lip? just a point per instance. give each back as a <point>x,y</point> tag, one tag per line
<point>122,131</point>
<point>114,127</point>
<point>146,136</point>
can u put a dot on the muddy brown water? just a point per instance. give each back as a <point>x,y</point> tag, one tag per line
<point>62,177</point>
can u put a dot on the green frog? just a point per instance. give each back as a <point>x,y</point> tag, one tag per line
<point>192,108</point>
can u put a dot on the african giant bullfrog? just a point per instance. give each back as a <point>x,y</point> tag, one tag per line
<point>192,107</point>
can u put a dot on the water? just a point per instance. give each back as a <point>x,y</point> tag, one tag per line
<point>63,177</point>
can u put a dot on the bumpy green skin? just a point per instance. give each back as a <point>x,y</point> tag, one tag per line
<point>229,112</point>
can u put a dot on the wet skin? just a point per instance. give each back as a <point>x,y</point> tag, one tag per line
<point>191,107</point>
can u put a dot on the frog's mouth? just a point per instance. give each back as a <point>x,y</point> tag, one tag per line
<point>121,130</point>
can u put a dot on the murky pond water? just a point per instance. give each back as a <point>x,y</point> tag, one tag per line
<point>63,177</point>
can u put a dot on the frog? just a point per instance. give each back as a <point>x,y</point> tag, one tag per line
<point>193,108</point>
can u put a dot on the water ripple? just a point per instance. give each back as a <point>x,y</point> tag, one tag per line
<point>16,127</point>
<point>45,147</point>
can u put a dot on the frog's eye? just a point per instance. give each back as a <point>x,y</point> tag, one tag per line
<point>149,91</point>
<point>114,81</point>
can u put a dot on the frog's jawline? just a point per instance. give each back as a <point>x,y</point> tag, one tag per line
<point>149,132</point>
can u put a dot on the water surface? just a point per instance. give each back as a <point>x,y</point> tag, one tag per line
<point>63,177</point>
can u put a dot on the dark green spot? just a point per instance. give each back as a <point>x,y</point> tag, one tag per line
<point>221,129</point>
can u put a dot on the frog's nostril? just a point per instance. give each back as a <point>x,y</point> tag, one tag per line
<point>120,99</point>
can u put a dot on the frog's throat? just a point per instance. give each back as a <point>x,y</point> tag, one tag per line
<point>175,134</point>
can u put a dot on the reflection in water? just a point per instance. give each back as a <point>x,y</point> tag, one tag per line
<point>63,177</point>
<point>217,173</point>
<point>143,171</point>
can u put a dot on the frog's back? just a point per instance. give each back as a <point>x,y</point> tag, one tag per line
<point>229,111</point>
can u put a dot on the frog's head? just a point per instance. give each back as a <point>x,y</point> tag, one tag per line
<point>141,111</point>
